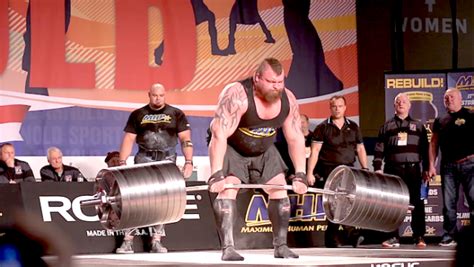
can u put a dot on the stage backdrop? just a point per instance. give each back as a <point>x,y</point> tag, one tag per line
<point>71,71</point>
<point>426,93</point>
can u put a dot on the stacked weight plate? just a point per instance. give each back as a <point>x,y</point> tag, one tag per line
<point>373,201</point>
<point>144,195</point>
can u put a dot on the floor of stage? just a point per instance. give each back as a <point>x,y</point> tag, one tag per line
<point>370,255</point>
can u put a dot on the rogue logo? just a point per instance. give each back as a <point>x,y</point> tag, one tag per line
<point>66,205</point>
<point>63,206</point>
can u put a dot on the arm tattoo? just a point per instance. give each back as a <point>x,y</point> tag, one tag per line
<point>229,106</point>
<point>295,118</point>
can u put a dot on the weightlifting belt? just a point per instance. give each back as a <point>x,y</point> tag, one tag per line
<point>157,154</point>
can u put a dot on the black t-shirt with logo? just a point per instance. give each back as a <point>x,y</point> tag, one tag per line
<point>339,146</point>
<point>157,129</point>
<point>455,132</point>
<point>254,135</point>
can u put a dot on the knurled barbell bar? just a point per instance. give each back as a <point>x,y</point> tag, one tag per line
<point>155,193</point>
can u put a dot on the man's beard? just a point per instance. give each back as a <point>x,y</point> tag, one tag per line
<point>272,96</point>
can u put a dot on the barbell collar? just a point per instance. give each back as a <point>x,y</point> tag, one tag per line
<point>98,199</point>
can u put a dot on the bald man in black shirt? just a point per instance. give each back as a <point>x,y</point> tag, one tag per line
<point>452,133</point>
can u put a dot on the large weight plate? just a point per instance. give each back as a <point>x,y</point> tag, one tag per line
<point>380,201</point>
<point>145,195</point>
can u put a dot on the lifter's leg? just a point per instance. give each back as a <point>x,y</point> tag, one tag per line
<point>225,210</point>
<point>279,213</point>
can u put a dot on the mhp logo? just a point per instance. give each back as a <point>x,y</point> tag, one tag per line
<point>464,81</point>
<point>306,207</point>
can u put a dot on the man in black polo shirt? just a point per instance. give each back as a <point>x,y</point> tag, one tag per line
<point>453,133</point>
<point>13,170</point>
<point>336,141</point>
<point>403,144</point>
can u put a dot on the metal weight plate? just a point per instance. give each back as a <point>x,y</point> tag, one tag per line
<point>143,195</point>
<point>339,206</point>
<point>373,201</point>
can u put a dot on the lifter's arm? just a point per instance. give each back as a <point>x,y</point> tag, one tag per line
<point>295,138</point>
<point>230,108</point>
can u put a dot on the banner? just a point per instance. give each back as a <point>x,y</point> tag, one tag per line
<point>253,228</point>
<point>72,71</point>
<point>58,205</point>
<point>464,81</point>
<point>428,28</point>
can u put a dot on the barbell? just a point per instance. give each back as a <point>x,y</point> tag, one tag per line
<point>155,193</point>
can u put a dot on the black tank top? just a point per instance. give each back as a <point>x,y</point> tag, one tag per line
<point>254,135</point>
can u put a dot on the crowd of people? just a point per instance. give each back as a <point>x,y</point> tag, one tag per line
<point>242,149</point>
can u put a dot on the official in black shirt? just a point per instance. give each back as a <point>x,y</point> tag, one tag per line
<point>453,133</point>
<point>13,170</point>
<point>403,145</point>
<point>336,141</point>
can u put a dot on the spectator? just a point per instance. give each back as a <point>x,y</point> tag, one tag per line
<point>56,171</point>
<point>13,170</point>
<point>105,183</point>
<point>112,159</point>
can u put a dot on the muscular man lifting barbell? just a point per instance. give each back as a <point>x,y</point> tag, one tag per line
<point>241,150</point>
